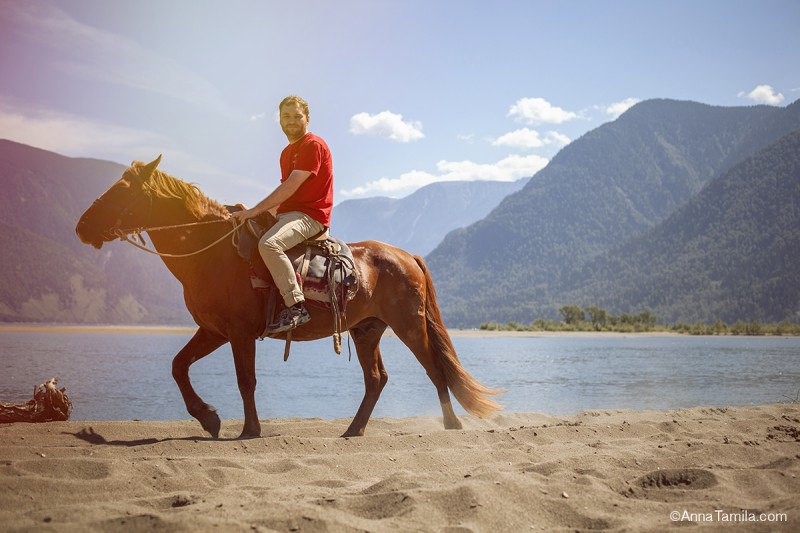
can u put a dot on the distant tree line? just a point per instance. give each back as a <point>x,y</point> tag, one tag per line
<point>592,318</point>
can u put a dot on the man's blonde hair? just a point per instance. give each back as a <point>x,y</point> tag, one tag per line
<point>295,100</point>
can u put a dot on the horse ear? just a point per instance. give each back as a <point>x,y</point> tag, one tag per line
<point>147,170</point>
<point>151,166</point>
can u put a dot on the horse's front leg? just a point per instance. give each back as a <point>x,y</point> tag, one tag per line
<point>244,359</point>
<point>203,343</point>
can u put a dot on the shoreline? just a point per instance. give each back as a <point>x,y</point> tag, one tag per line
<point>189,330</point>
<point>455,333</point>
<point>620,470</point>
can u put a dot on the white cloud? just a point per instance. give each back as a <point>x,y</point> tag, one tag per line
<point>526,139</point>
<point>522,138</point>
<point>763,94</point>
<point>618,108</point>
<point>387,125</point>
<point>539,111</point>
<point>511,168</point>
<point>555,137</point>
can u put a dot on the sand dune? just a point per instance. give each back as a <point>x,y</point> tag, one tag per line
<point>598,470</point>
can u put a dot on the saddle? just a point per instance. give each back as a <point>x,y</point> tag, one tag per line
<point>324,266</point>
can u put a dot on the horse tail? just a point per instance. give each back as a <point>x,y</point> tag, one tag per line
<point>470,393</point>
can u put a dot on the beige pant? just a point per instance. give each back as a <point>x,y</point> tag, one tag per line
<point>291,229</point>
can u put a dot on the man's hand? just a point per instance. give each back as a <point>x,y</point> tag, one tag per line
<point>246,214</point>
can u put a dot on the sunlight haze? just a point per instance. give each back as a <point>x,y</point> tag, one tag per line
<point>405,93</point>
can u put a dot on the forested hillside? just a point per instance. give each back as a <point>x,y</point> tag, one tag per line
<point>612,185</point>
<point>731,253</point>
<point>47,274</point>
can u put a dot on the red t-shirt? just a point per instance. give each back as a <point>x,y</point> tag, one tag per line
<point>315,195</point>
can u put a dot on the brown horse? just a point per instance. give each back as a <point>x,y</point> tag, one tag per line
<point>395,291</point>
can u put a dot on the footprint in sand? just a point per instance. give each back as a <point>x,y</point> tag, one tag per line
<point>683,478</point>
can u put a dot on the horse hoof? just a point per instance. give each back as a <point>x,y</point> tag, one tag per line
<point>210,422</point>
<point>453,424</point>
<point>349,433</point>
<point>251,433</point>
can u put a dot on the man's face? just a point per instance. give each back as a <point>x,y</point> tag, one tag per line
<point>294,122</point>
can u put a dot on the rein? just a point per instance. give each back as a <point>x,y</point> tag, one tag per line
<point>122,234</point>
<point>137,232</point>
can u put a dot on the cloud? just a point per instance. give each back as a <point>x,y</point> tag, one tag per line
<point>539,111</point>
<point>554,137</point>
<point>763,94</point>
<point>527,139</point>
<point>618,108</point>
<point>387,125</point>
<point>76,136</point>
<point>98,55</point>
<point>511,168</point>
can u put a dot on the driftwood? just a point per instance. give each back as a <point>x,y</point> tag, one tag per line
<point>48,404</point>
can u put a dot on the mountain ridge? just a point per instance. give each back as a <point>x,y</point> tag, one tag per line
<point>418,222</point>
<point>607,193</point>
<point>746,268</point>
<point>611,185</point>
<point>53,277</point>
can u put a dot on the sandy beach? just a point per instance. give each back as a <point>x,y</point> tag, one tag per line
<point>597,470</point>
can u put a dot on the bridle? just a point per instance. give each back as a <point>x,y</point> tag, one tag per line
<point>117,231</point>
<point>122,211</point>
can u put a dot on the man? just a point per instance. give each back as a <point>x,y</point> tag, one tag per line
<point>303,203</point>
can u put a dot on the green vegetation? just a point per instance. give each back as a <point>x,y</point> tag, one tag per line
<point>595,319</point>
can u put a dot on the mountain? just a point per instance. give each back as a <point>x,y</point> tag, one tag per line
<point>604,189</point>
<point>686,209</point>
<point>50,276</point>
<point>731,252</point>
<point>418,222</point>
<point>47,274</point>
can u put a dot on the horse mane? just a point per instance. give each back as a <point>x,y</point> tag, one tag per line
<point>162,185</point>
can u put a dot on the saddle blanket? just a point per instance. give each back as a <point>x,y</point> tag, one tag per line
<point>330,261</point>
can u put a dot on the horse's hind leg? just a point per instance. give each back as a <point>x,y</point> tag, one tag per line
<point>202,344</point>
<point>367,336</point>
<point>413,333</point>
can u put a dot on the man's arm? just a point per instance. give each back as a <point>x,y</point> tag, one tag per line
<point>283,192</point>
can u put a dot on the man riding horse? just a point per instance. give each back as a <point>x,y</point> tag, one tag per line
<point>188,230</point>
<point>303,203</point>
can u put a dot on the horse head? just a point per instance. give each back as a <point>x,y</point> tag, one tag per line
<point>126,204</point>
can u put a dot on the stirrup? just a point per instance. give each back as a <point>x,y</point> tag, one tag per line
<point>289,319</point>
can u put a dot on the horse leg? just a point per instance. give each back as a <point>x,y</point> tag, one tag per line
<point>244,359</point>
<point>366,337</point>
<point>200,345</point>
<point>415,336</point>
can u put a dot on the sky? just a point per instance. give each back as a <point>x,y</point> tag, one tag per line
<point>405,92</point>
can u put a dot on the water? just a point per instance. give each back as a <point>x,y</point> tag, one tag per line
<point>124,376</point>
